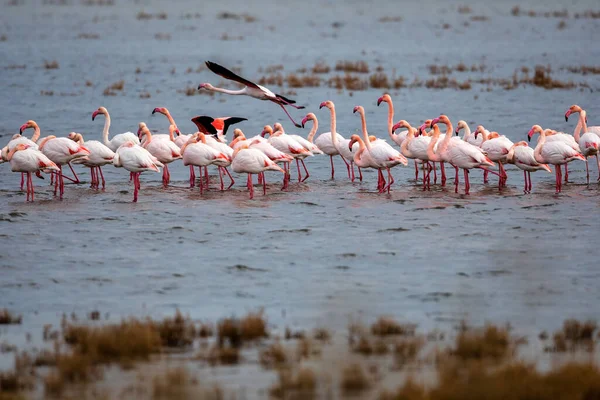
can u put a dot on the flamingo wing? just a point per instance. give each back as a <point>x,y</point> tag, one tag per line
<point>227,74</point>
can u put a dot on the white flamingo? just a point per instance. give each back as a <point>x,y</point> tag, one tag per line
<point>117,140</point>
<point>26,160</point>
<point>286,144</point>
<point>196,152</point>
<point>416,149</point>
<point>496,147</point>
<point>61,151</point>
<point>589,142</point>
<point>522,156</point>
<point>135,159</point>
<point>20,139</point>
<point>164,150</point>
<point>99,155</point>
<point>382,154</point>
<point>253,161</point>
<point>250,89</point>
<point>556,153</point>
<point>307,144</point>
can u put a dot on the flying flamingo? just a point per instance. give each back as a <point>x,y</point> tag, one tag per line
<point>216,127</point>
<point>589,142</point>
<point>253,161</point>
<point>24,159</point>
<point>251,89</point>
<point>383,155</point>
<point>496,147</point>
<point>99,155</point>
<point>164,150</point>
<point>36,134</point>
<point>339,143</point>
<point>286,144</point>
<point>135,159</point>
<point>196,152</point>
<point>556,153</point>
<point>522,156</point>
<point>61,151</point>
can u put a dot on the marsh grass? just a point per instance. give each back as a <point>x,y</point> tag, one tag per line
<point>385,326</point>
<point>301,384</point>
<point>361,67</point>
<point>8,318</point>
<point>354,379</point>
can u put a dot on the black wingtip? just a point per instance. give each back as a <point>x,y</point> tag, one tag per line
<point>298,125</point>
<point>300,107</point>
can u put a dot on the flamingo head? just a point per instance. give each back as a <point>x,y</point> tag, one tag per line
<point>174,130</point>
<point>29,124</point>
<point>534,129</point>
<point>421,129</point>
<point>100,110</point>
<point>385,98</point>
<point>328,104</point>
<point>401,124</point>
<point>461,125</point>
<point>278,127</point>
<point>480,129</point>
<point>142,128</point>
<point>572,110</point>
<point>309,116</point>
<point>353,139</point>
<point>161,110</point>
<point>206,86</point>
<point>267,130</point>
<point>238,134</point>
<point>359,109</point>
<point>442,118</point>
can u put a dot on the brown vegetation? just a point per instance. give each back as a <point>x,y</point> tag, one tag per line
<point>8,318</point>
<point>492,342</point>
<point>51,64</point>
<point>387,326</point>
<point>354,379</point>
<point>575,335</point>
<point>299,385</point>
<point>112,89</point>
<point>352,66</point>
<point>142,15</point>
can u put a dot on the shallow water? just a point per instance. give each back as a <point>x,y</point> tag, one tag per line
<point>325,250</point>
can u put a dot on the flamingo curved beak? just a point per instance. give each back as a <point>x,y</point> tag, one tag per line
<point>94,114</point>
<point>530,134</point>
<point>201,86</point>
<point>155,110</point>
<point>323,104</point>
<point>421,129</point>
<point>178,132</point>
<point>567,115</point>
<point>456,131</point>
<point>379,100</point>
<point>355,109</point>
<point>395,127</point>
<point>304,121</point>
<point>22,128</point>
<point>262,134</point>
<point>434,121</point>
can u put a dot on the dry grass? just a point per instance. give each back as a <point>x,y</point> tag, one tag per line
<point>542,78</point>
<point>177,331</point>
<point>142,15</point>
<point>113,88</point>
<point>322,334</point>
<point>584,69</point>
<point>320,68</point>
<point>292,386</point>
<point>352,66</point>
<point>349,82</point>
<point>273,356</point>
<point>51,64</point>
<point>221,355</point>
<point>574,336</point>
<point>390,19</point>
<point>175,383</point>
<point>479,18</point>
<point>234,331</point>
<point>490,343</point>
<point>8,318</point>
<point>387,326</point>
<point>354,380</point>
<point>295,81</point>
<point>379,80</point>
<point>407,350</point>
<point>464,10</point>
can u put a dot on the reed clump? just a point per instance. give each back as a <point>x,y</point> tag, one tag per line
<point>490,343</point>
<point>273,356</point>
<point>321,68</point>
<point>385,326</point>
<point>235,331</point>
<point>360,67</point>
<point>51,64</point>
<point>575,335</point>
<point>354,379</point>
<point>301,384</point>
<point>8,318</point>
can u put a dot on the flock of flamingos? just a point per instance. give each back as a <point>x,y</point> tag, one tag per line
<point>426,145</point>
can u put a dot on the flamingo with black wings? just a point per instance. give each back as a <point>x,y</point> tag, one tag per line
<point>251,89</point>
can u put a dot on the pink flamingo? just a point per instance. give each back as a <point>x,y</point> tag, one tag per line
<point>253,161</point>
<point>196,152</point>
<point>496,147</point>
<point>18,139</point>
<point>556,153</point>
<point>416,148</point>
<point>164,150</point>
<point>522,156</point>
<point>589,142</point>
<point>99,155</point>
<point>250,89</point>
<point>135,159</point>
<point>26,160</point>
<point>286,144</point>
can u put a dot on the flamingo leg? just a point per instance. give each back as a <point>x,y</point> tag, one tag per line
<point>347,166</point>
<point>206,176</point>
<point>390,180</point>
<point>76,180</point>
<point>264,182</point>
<point>102,177</point>
<point>192,176</point>
<point>467,184</point>
<point>566,175</point>
<point>359,174</point>
<point>558,178</point>
<point>352,176</point>
<point>305,170</point>
<point>434,174</point>
<point>456,180</point>
<point>530,184</point>
<point>525,178</point>
<point>416,171</point>
<point>230,177</point>
<point>443,169</point>
<point>135,186</point>
<point>333,169</point>
<point>298,167</point>
<point>485,177</point>
<point>30,183</point>
<point>51,178</point>
<point>22,180</point>
<point>250,186</point>
<point>426,174</point>
<point>221,178</point>
<point>289,116</point>
<point>201,184</point>
<point>587,171</point>
<point>598,162</point>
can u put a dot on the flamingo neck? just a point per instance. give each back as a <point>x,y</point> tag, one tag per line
<point>11,153</point>
<point>148,137</point>
<point>202,137</point>
<point>45,140</point>
<point>580,125</point>
<point>363,123</point>
<point>313,131</point>
<point>333,131</point>
<point>105,130</point>
<point>485,136</point>
<point>467,133</point>
<point>227,91</point>
<point>430,154</point>
<point>404,147</point>
<point>390,119</point>
<point>36,133</point>
<point>361,149</point>
<point>537,152</point>
<point>170,118</point>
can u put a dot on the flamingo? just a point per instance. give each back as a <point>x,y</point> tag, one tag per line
<point>589,142</point>
<point>382,154</point>
<point>324,141</point>
<point>196,152</point>
<point>400,137</point>
<point>307,144</point>
<point>164,150</point>
<point>465,156</point>
<point>18,139</point>
<point>522,156</point>
<point>24,159</point>
<point>569,140</point>
<point>251,89</point>
<point>415,148</point>
<point>496,147</point>
<point>339,143</point>
<point>263,145</point>
<point>33,143</point>
<point>216,127</point>
<point>61,151</point>
<point>99,155</point>
<point>135,159</point>
<point>253,161</point>
<point>556,152</point>
<point>117,140</point>
<point>286,144</point>
<point>468,136</point>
